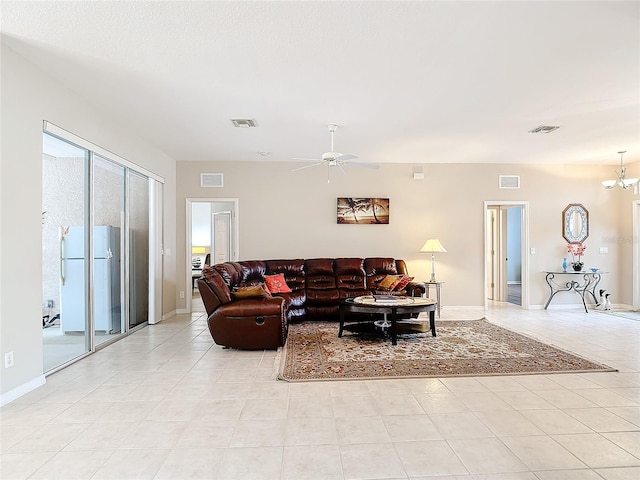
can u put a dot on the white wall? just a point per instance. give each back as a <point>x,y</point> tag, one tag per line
<point>29,97</point>
<point>286,214</point>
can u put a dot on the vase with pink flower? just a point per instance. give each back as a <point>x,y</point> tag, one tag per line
<point>576,250</point>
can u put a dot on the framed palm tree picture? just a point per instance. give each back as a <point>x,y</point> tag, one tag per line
<point>363,210</point>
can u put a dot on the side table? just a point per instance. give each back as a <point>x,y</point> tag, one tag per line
<point>437,286</point>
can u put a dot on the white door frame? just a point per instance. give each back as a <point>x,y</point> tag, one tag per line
<point>524,247</point>
<point>235,234</point>
<point>635,211</point>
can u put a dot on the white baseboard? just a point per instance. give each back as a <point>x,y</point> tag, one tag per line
<point>168,315</point>
<point>23,389</point>
<point>462,307</point>
<point>180,311</point>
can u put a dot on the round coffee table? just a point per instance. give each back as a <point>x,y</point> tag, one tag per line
<point>388,307</point>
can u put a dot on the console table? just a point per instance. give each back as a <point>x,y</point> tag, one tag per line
<point>583,283</point>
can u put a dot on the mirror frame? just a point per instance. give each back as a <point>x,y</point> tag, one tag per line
<point>566,219</point>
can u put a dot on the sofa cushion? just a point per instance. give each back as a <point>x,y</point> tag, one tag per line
<point>217,284</point>
<point>293,271</point>
<point>252,272</point>
<point>377,268</point>
<point>231,273</point>
<point>277,283</point>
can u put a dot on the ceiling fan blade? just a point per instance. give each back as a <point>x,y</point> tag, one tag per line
<point>372,166</point>
<point>339,170</point>
<point>307,159</point>
<point>345,157</point>
<point>307,166</point>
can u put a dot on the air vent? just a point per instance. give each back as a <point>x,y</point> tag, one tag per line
<point>244,122</point>
<point>509,181</point>
<point>544,129</point>
<point>211,180</point>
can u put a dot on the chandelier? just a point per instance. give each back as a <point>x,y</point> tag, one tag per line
<point>622,182</point>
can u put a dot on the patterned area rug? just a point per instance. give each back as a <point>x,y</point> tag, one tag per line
<point>313,351</point>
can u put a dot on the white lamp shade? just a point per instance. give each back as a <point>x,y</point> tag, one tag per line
<point>432,245</point>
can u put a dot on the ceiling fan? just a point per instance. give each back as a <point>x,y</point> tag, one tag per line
<point>335,159</point>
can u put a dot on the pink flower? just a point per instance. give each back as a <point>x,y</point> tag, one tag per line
<point>576,250</point>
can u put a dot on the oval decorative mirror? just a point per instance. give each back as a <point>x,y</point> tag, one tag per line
<point>575,223</point>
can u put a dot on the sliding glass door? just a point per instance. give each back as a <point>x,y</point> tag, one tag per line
<point>138,207</point>
<point>65,242</point>
<point>97,208</point>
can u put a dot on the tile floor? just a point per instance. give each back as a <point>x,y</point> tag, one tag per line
<point>167,403</point>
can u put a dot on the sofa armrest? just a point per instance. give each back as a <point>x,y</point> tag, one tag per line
<point>250,307</point>
<point>415,289</point>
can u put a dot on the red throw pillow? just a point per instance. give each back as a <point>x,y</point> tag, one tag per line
<point>277,283</point>
<point>403,283</point>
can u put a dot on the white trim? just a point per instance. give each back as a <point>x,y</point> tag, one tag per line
<point>23,389</point>
<point>168,314</point>
<point>635,246</point>
<point>524,247</point>
<point>49,127</point>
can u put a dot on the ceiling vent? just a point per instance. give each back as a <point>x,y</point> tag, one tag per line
<point>244,122</point>
<point>211,180</point>
<point>544,129</point>
<point>509,181</point>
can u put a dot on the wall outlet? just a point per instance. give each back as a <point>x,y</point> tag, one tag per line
<point>8,360</point>
<point>181,293</point>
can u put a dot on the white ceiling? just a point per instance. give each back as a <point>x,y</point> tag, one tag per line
<point>409,82</point>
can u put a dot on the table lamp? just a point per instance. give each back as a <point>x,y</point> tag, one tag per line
<point>432,246</point>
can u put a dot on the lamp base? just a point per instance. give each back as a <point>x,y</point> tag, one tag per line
<point>433,268</point>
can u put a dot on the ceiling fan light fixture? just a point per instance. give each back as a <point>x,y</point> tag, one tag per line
<point>622,181</point>
<point>544,129</point>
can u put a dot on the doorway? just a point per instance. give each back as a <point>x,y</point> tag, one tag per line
<point>212,237</point>
<point>506,247</point>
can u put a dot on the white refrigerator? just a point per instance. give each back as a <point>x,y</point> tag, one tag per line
<point>106,280</point>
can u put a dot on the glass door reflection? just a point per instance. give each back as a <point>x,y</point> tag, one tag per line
<point>65,240</point>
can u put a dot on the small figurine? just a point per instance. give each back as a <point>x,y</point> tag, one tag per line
<point>601,302</point>
<point>607,302</point>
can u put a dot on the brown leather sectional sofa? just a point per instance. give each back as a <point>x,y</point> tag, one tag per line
<point>317,286</point>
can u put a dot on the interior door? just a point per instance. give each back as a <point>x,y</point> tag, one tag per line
<point>221,235</point>
<point>492,261</point>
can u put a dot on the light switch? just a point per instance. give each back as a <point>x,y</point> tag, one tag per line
<point>532,251</point>
<point>604,249</point>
